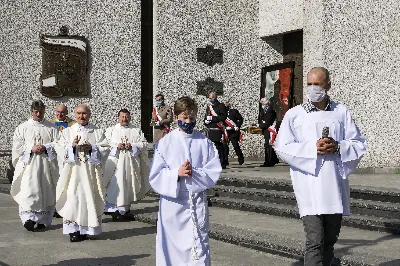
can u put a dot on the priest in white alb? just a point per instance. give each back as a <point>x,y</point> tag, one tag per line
<point>185,164</point>
<point>323,146</point>
<point>126,175</point>
<point>36,169</point>
<point>80,190</point>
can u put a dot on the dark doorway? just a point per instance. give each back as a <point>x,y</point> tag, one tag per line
<point>146,71</point>
<point>293,51</point>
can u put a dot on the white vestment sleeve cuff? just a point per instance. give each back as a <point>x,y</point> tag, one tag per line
<point>51,155</point>
<point>114,151</point>
<point>70,156</point>
<point>25,157</point>
<point>95,156</point>
<point>135,151</point>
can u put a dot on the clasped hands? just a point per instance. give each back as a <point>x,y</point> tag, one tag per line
<point>124,146</point>
<point>185,170</point>
<point>326,145</point>
<point>86,146</point>
<point>38,149</point>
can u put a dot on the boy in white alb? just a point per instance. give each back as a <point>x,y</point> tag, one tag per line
<point>185,164</point>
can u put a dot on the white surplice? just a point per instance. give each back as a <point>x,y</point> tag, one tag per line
<point>320,182</point>
<point>126,175</point>
<point>183,222</point>
<point>35,176</point>
<point>80,196</point>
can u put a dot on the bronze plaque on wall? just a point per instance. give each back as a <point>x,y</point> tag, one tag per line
<point>64,65</point>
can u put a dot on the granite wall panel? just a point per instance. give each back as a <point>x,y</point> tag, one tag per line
<point>113,30</point>
<point>359,45</point>
<point>183,26</point>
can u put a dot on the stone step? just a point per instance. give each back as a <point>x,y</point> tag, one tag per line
<point>362,207</point>
<point>285,237</point>
<point>356,191</point>
<point>371,223</point>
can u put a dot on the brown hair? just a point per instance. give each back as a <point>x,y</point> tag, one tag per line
<point>184,104</point>
<point>37,105</point>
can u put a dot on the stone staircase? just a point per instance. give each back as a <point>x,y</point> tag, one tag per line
<point>372,209</point>
<point>261,213</point>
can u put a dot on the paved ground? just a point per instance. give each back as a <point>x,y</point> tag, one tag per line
<point>122,243</point>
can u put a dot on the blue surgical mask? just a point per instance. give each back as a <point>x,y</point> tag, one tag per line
<point>212,101</point>
<point>265,107</point>
<point>187,127</point>
<point>159,103</point>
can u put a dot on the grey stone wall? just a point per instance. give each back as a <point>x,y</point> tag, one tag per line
<point>113,29</point>
<point>359,44</point>
<point>233,26</point>
<point>277,17</point>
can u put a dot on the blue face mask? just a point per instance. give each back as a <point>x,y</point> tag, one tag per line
<point>265,107</point>
<point>159,103</point>
<point>187,127</point>
<point>212,101</point>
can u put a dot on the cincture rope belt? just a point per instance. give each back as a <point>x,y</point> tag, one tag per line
<point>196,227</point>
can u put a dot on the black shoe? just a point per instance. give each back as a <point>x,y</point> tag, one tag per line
<point>56,215</point>
<point>83,237</point>
<point>30,225</point>
<point>115,215</point>
<point>40,226</point>
<point>75,237</point>
<point>241,161</point>
<point>224,167</point>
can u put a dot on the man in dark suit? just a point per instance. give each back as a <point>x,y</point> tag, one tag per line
<point>267,118</point>
<point>214,121</point>
<point>232,124</point>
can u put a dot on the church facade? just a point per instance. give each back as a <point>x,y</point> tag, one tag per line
<point>139,48</point>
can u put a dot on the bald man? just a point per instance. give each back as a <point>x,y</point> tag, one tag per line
<point>323,146</point>
<point>62,116</point>
<point>79,193</point>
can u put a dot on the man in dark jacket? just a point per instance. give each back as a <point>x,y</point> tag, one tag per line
<point>214,121</point>
<point>232,124</point>
<point>268,116</point>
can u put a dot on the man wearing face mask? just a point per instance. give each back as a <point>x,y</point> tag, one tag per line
<point>216,114</point>
<point>161,118</point>
<point>185,165</point>
<point>127,168</point>
<point>323,146</point>
<point>268,116</point>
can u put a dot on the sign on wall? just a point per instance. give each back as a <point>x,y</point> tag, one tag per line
<point>64,65</point>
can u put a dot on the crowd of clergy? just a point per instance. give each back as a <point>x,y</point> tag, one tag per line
<point>75,170</point>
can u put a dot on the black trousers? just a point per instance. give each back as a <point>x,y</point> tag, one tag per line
<point>221,153</point>
<point>322,232</point>
<point>235,143</point>
<point>270,155</point>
